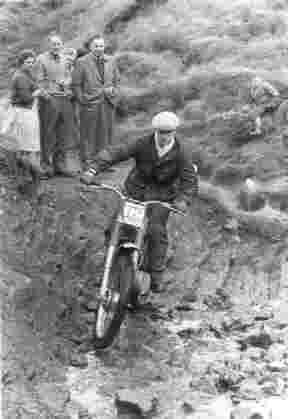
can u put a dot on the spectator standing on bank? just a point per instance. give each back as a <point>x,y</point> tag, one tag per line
<point>25,129</point>
<point>95,82</point>
<point>83,50</point>
<point>264,99</point>
<point>57,120</point>
<point>71,55</point>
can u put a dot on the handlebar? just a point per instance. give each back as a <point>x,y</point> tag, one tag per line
<point>124,197</point>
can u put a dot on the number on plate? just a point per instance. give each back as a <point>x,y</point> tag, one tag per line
<point>133,214</point>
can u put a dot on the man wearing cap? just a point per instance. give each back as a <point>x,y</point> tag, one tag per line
<point>162,171</point>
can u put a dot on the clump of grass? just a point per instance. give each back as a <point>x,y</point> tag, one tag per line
<point>234,125</point>
<point>139,69</point>
<point>248,24</point>
<point>208,49</point>
<point>146,37</point>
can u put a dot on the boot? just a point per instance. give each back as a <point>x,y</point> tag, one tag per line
<point>46,171</point>
<point>68,164</point>
<point>157,281</point>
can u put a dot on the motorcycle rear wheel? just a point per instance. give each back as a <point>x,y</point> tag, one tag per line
<point>109,319</point>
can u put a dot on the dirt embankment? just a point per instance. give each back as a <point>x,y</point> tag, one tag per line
<point>199,349</point>
<point>56,239</point>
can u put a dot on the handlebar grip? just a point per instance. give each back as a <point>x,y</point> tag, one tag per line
<point>88,177</point>
<point>176,211</point>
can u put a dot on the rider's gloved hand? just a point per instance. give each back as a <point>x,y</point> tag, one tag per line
<point>88,177</point>
<point>181,205</point>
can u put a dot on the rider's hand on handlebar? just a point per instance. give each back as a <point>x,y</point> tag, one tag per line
<point>88,177</point>
<point>181,205</point>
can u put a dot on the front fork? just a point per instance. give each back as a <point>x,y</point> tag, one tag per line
<point>106,297</point>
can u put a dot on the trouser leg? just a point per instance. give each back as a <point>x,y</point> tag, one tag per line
<point>96,129</point>
<point>88,133</point>
<point>65,156</point>
<point>157,237</point>
<point>106,119</point>
<point>43,122</point>
<point>49,114</point>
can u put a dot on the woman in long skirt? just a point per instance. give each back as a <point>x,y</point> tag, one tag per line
<point>26,130</point>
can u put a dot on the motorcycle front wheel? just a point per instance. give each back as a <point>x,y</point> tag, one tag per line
<point>111,313</point>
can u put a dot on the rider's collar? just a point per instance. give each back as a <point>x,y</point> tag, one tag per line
<point>161,151</point>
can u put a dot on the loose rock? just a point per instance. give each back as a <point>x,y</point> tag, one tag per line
<point>84,414</point>
<point>273,408</point>
<point>77,338</point>
<point>92,305</point>
<point>138,402</point>
<point>88,317</point>
<point>250,390</point>
<point>219,408</point>
<point>78,360</point>
<point>260,340</point>
<point>276,352</point>
<point>237,322</point>
<point>85,347</point>
<point>30,372</point>
<point>273,386</point>
<point>55,396</point>
<point>281,315</point>
<point>186,328</point>
<point>8,377</point>
<point>262,313</point>
<point>254,353</point>
<point>277,366</point>
<point>188,408</point>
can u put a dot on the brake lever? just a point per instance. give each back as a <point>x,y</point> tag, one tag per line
<point>176,211</point>
<point>88,188</point>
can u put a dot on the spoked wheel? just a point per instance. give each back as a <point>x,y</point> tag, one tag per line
<point>112,308</point>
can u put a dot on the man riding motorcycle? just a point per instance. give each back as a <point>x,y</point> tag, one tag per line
<point>162,171</point>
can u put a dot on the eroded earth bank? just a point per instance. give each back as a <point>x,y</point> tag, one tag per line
<point>215,342</point>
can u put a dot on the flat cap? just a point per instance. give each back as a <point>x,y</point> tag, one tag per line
<point>165,121</point>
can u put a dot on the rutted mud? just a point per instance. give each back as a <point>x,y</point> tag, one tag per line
<point>193,350</point>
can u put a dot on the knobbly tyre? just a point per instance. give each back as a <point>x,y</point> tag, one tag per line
<point>124,280</point>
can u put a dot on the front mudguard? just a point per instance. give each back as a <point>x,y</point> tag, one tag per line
<point>142,280</point>
<point>131,249</point>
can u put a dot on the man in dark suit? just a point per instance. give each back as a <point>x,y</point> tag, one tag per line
<point>95,82</point>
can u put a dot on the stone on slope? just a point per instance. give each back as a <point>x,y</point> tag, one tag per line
<point>272,408</point>
<point>219,408</point>
<point>55,396</point>
<point>139,403</point>
<point>78,360</point>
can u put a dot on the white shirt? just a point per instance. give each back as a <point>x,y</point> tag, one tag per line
<point>161,151</point>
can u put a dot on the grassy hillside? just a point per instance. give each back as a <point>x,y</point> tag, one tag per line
<point>196,58</point>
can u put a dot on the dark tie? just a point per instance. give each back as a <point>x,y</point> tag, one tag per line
<point>56,57</point>
<point>100,64</point>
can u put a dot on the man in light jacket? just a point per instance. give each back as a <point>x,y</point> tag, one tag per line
<point>95,83</point>
<point>57,120</point>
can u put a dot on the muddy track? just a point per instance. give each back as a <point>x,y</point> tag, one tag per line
<point>268,221</point>
<point>171,352</point>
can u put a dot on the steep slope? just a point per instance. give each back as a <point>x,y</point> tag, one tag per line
<point>196,58</point>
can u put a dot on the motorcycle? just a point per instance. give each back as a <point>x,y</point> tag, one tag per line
<point>124,280</point>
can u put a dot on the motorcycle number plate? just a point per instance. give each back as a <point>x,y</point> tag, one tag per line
<point>133,214</point>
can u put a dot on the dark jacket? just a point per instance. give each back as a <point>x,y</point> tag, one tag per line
<point>170,177</point>
<point>88,84</point>
<point>22,87</point>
